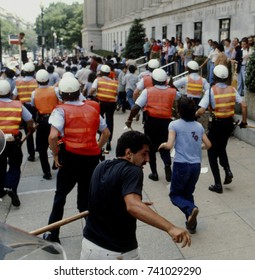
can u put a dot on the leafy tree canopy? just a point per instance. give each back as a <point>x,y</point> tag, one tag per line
<point>65,20</point>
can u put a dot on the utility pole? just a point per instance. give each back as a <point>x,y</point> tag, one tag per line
<point>43,38</point>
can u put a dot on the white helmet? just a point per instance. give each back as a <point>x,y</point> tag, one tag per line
<point>105,69</point>
<point>159,75</point>
<point>221,71</point>
<point>69,85</point>
<point>5,87</point>
<point>193,65</point>
<point>68,75</point>
<point>29,67</point>
<point>153,64</point>
<point>42,76</point>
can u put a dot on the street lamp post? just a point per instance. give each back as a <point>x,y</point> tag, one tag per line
<point>43,38</point>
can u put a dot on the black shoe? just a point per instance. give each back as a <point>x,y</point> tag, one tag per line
<point>108,146</point>
<point>3,193</point>
<point>47,176</point>
<point>48,236</point>
<point>31,158</point>
<point>216,188</point>
<point>54,167</point>
<point>168,173</point>
<point>228,177</point>
<point>191,223</point>
<point>191,230</point>
<point>153,176</point>
<point>14,197</point>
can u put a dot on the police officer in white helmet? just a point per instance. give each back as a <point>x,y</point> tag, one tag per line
<point>157,102</point>
<point>12,112</point>
<point>221,98</point>
<point>77,123</point>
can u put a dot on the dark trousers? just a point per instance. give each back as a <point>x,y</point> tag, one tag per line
<point>107,111</point>
<point>157,130</point>
<point>218,134</point>
<point>12,156</point>
<point>184,179</point>
<point>42,143</point>
<point>30,139</point>
<point>24,56</point>
<point>77,169</point>
<point>122,99</point>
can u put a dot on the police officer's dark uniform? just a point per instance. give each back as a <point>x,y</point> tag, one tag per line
<point>77,123</point>
<point>11,114</point>
<point>23,92</point>
<point>44,99</point>
<point>157,102</point>
<point>222,99</point>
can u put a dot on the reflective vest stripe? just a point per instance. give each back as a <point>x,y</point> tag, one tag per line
<point>225,99</point>
<point>81,125</point>
<point>25,89</point>
<point>160,102</point>
<point>10,108</point>
<point>10,116</point>
<point>194,87</point>
<point>107,90</point>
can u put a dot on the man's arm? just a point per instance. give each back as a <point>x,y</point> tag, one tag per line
<point>105,134</point>
<point>170,142</point>
<point>53,142</point>
<point>142,212</point>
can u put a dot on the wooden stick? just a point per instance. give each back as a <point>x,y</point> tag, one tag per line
<point>29,133</point>
<point>59,223</point>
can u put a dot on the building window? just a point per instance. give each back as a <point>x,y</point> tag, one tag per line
<point>224,31</point>
<point>198,30</point>
<point>153,32</point>
<point>164,32</point>
<point>179,32</point>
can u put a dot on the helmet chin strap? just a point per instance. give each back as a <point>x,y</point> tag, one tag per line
<point>2,141</point>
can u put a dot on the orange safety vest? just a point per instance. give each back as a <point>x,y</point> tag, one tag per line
<point>81,125</point>
<point>45,100</point>
<point>194,87</point>
<point>147,81</point>
<point>160,102</point>
<point>107,90</point>
<point>94,104</point>
<point>10,116</point>
<point>25,89</point>
<point>225,99</point>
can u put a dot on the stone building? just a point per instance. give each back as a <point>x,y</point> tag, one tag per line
<point>106,21</point>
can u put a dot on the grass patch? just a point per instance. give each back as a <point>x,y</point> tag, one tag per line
<point>102,53</point>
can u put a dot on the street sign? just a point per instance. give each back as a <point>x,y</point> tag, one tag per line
<point>13,39</point>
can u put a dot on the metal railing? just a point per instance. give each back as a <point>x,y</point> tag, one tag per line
<point>180,75</point>
<point>140,58</point>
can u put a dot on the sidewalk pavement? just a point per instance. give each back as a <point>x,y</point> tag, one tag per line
<point>226,222</point>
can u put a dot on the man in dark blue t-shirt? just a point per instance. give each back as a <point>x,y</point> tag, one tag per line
<point>115,204</point>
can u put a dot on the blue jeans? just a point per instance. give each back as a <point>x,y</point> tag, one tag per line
<point>130,98</point>
<point>184,179</point>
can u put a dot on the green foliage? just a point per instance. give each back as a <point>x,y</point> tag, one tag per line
<point>9,28</point>
<point>250,73</point>
<point>65,20</point>
<point>135,41</point>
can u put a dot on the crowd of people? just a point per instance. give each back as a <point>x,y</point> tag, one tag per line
<point>70,104</point>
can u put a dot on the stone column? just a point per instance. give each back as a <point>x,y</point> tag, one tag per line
<point>155,3</point>
<point>146,4</point>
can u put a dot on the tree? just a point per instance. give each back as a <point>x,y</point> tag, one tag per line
<point>250,73</point>
<point>135,41</point>
<point>65,20</point>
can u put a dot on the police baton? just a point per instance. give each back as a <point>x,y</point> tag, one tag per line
<point>28,135</point>
<point>60,223</point>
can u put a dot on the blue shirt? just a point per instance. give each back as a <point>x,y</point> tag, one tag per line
<point>188,141</point>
